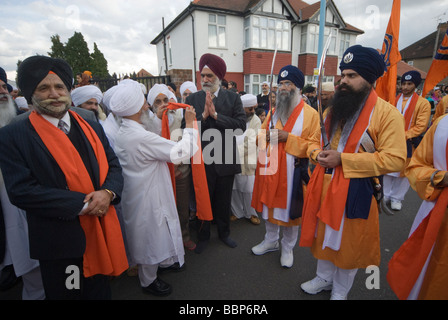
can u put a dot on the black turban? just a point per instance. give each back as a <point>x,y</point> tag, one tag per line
<point>34,69</point>
<point>4,78</point>
<point>293,74</point>
<point>214,63</point>
<point>367,62</point>
<point>413,76</point>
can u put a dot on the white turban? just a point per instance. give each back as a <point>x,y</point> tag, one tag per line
<point>328,86</point>
<point>22,103</point>
<point>85,93</point>
<point>108,95</point>
<point>127,99</point>
<point>188,85</point>
<point>249,100</point>
<point>156,90</point>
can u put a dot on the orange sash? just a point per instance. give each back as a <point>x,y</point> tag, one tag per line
<point>407,263</point>
<point>203,206</point>
<point>410,110</point>
<point>105,252</point>
<point>271,189</point>
<point>330,211</point>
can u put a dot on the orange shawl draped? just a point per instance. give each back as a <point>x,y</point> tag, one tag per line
<point>105,253</point>
<point>271,188</point>
<point>203,206</point>
<point>330,211</point>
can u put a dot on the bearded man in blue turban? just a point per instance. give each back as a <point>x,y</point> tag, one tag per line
<point>366,140</point>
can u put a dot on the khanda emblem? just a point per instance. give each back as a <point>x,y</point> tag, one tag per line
<point>442,52</point>
<point>387,47</point>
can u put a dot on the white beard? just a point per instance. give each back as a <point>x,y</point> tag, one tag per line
<point>286,104</point>
<point>7,111</point>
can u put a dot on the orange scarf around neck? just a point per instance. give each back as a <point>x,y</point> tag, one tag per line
<point>105,253</point>
<point>271,188</point>
<point>203,205</point>
<point>410,110</point>
<point>330,211</point>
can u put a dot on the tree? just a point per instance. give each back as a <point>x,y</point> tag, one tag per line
<point>77,53</point>
<point>99,63</point>
<point>57,48</point>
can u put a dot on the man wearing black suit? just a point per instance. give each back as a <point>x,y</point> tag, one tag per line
<point>58,211</point>
<point>220,113</point>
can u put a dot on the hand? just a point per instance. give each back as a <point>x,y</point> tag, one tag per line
<point>190,117</point>
<point>329,158</point>
<point>208,101</point>
<point>98,203</point>
<point>209,105</point>
<point>277,135</point>
<point>160,111</point>
<point>444,182</point>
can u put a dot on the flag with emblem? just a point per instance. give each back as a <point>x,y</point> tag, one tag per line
<point>439,67</point>
<point>386,86</point>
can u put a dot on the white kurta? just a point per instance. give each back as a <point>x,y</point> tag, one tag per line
<point>148,205</point>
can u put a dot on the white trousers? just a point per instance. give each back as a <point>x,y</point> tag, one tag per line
<point>342,278</point>
<point>395,188</point>
<point>240,204</point>
<point>290,235</point>
<point>147,273</point>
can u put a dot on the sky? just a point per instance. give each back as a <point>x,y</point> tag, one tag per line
<point>124,29</point>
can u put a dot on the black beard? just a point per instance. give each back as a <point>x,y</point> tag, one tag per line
<point>346,103</point>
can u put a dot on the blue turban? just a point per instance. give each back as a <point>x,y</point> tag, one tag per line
<point>4,78</point>
<point>413,76</point>
<point>292,74</point>
<point>367,62</point>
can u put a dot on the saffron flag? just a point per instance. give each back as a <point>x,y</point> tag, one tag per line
<point>439,66</point>
<point>386,86</point>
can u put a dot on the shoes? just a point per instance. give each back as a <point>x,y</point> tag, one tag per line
<point>316,285</point>
<point>8,278</point>
<point>189,245</point>
<point>395,205</point>
<point>337,296</point>
<point>233,218</point>
<point>255,220</point>
<point>265,247</point>
<point>176,267</point>
<point>158,288</point>
<point>229,242</point>
<point>287,258</point>
<point>200,246</point>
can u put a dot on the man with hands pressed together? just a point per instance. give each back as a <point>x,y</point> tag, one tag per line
<point>220,113</point>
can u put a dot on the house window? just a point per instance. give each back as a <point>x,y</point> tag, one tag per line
<point>344,43</point>
<point>303,37</point>
<point>216,31</point>
<point>252,82</point>
<point>169,51</point>
<point>314,38</point>
<point>266,32</point>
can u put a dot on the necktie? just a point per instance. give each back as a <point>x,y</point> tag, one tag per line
<point>61,125</point>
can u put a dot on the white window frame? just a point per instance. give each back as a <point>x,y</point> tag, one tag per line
<point>265,32</point>
<point>255,81</point>
<point>221,41</point>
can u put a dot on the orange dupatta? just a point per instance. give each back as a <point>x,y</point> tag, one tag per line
<point>105,252</point>
<point>270,188</point>
<point>407,263</point>
<point>410,111</point>
<point>203,206</point>
<point>331,210</point>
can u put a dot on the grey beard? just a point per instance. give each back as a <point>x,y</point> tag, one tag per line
<point>211,88</point>
<point>7,111</point>
<point>285,104</point>
<point>146,120</point>
<point>50,111</point>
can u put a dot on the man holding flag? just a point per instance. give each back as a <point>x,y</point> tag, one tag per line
<point>416,111</point>
<point>386,85</point>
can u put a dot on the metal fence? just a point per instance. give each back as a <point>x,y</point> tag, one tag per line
<point>105,84</point>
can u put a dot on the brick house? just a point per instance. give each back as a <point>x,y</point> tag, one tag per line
<point>245,32</point>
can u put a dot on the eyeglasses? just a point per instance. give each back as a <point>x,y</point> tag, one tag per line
<point>286,84</point>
